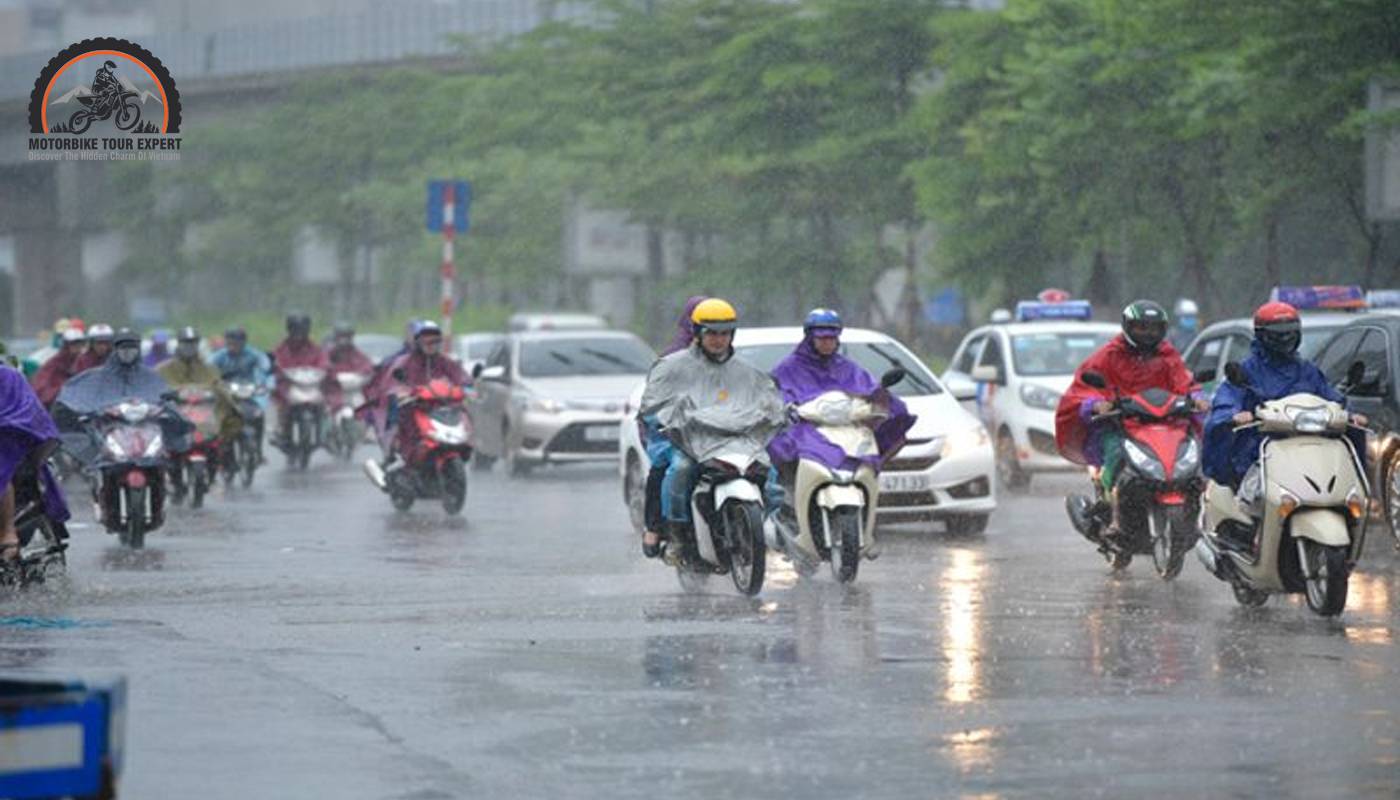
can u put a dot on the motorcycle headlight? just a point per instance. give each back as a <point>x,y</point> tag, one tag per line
<point>964,441</point>
<point>1039,397</point>
<point>1144,462</point>
<point>1313,420</point>
<point>449,434</point>
<point>1188,458</point>
<point>113,444</point>
<point>154,448</point>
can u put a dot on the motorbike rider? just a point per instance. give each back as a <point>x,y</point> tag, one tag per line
<point>658,447</point>
<point>1186,321</point>
<point>238,361</point>
<point>814,367</point>
<point>695,380</point>
<point>424,363</point>
<point>188,369</point>
<point>297,350</point>
<point>160,348</point>
<point>106,89</point>
<point>99,348</point>
<point>1273,369</point>
<point>344,356</point>
<point>24,426</point>
<point>55,372</point>
<point>1137,359</point>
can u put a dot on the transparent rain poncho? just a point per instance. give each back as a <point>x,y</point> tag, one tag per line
<point>706,406</point>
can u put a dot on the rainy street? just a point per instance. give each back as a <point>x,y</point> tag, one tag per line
<point>302,639</point>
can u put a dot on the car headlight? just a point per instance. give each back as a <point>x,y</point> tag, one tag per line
<point>546,404</point>
<point>1144,462</point>
<point>1188,458</point>
<point>964,441</point>
<point>1039,397</point>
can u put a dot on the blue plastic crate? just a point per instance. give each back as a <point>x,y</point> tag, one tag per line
<point>58,737</point>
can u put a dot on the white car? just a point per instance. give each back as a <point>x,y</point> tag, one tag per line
<point>1012,376</point>
<point>944,471</point>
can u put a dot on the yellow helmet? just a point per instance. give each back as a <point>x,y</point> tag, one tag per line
<point>714,314</point>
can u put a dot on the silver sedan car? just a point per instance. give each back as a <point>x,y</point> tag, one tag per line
<point>555,397</point>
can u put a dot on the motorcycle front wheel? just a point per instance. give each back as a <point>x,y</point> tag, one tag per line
<point>133,535</point>
<point>247,462</point>
<point>1325,576</point>
<point>845,543</point>
<point>1173,533</point>
<point>454,486</point>
<point>747,551</point>
<point>128,116</point>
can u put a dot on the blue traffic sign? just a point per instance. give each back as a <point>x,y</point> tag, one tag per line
<point>461,199</point>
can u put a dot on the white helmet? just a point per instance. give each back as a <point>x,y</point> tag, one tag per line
<point>1185,308</point>
<point>101,331</point>
<point>74,335</point>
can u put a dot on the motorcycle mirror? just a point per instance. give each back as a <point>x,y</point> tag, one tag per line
<point>893,377</point>
<point>399,374</point>
<point>477,368</point>
<point>1094,380</point>
<point>1356,373</point>
<point>1234,373</point>
<point>170,396</point>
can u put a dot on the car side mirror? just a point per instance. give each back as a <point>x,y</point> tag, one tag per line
<point>986,374</point>
<point>1356,374</point>
<point>1203,375</point>
<point>961,387</point>
<point>893,377</point>
<point>1094,380</point>
<point>477,369</point>
<point>1234,373</point>
<point>494,373</point>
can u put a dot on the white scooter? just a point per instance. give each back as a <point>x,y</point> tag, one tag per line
<point>834,508</point>
<point>1314,499</point>
<point>726,510</point>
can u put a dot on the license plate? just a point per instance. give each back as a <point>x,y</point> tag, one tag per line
<point>903,483</point>
<point>600,433</point>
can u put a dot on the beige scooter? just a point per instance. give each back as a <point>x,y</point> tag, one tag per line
<point>1315,497</point>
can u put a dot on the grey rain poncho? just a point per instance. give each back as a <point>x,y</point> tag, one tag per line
<point>704,406</point>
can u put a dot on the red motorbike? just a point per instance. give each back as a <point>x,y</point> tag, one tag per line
<point>194,466</point>
<point>1159,484</point>
<point>435,445</point>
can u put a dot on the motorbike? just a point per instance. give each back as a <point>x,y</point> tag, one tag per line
<point>346,431</point>
<point>832,512</point>
<point>193,468</point>
<point>725,531</point>
<point>42,540</point>
<point>1315,498</point>
<point>1159,490</point>
<point>130,465</point>
<point>434,466</point>
<point>124,106</point>
<point>245,453</point>
<point>306,403</point>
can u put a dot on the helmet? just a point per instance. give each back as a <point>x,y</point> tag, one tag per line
<point>426,328</point>
<point>298,324</point>
<point>100,333</point>
<point>1185,308</point>
<point>714,314</point>
<point>823,319</point>
<point>187,334</point>
<point>236,334</point>
<point>160,336</point>
<point>343,329</point>
<point>74,335</point>
<point>1144,325</point>
<point>125,336</point>
<point>109,64</point>
<point>1277,328</point>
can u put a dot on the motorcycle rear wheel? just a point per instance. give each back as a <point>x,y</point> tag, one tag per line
<point>748,552</point>
<point>454,486</point>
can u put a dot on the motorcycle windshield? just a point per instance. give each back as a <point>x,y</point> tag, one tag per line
<point>705,432</point>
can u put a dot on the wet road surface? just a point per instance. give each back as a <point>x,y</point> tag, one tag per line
<point>303,640</point>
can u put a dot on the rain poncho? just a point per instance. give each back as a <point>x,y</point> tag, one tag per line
<point>293,353</point>
<point>1125,370</point>
<point>685,329</point>
<point>51,377</point>
<point>24,425</point>
<point>193,372</point>
<point>804,375</point>
<point>251,365</point>
<point>704,406</point>
<point>111,383</point>
<point>1228,454</point>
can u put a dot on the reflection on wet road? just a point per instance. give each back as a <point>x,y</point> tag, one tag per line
<point>304,640</point>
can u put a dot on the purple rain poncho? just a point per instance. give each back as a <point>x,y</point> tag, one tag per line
<point>804,375</point>
<point>24,425</point>
<point>685,329</point>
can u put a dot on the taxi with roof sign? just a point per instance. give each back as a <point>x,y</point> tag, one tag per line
<point>1324,310</point>
<point>1011,374</point>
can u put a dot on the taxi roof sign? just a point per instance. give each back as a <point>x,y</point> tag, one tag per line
<point>1033,311</point>
<point>1314,298</point>
<point>1383,298</point>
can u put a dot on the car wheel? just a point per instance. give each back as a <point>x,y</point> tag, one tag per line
<point>1009,472</point>
<point>967,524</point>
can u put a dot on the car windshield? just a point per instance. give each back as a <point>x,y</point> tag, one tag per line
<point>557,358</point>
<point>1055,353</point>
<point>875,357</point>
<point>1314,336</point>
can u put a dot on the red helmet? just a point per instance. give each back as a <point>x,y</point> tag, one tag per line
<point>1277,328</point>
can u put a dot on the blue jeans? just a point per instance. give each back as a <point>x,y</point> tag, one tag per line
<point>675,488</point>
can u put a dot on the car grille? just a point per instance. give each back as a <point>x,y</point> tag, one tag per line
<point>571,440</point>
<point>907,500</point>
<point>912,464</point>
<point>1043,442</point>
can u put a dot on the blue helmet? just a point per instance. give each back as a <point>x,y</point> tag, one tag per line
<point>823,319</point>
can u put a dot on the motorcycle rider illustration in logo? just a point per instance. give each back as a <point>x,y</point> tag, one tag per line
<point>108,97</point>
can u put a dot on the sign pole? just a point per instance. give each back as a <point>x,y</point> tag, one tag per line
<point>449,269</point>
